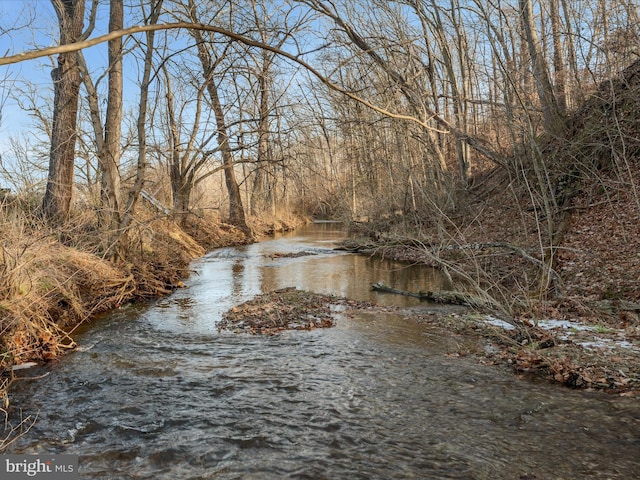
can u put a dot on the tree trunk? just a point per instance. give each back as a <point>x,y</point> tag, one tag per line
<point>141,166</point>
<point>110,163</point>
<point>576,94</point>
<point>548,102</point>
<point>182,200</point>
<point>236,209</point>
<point>177,171</point>
<point>66,84</point>
<point>263,161</point>
<point>560,71</point>
<point>457,81</point>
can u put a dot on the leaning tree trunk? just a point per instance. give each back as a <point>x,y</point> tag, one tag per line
<point>548,101</point>
<point>236,209</point>
<point>66,85</point>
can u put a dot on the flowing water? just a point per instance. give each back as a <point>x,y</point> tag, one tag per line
<point>155,392</point>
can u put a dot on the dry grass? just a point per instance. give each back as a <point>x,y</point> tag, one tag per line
<point>46,287</point>
<point>210,232</point>
<point>51,281</point>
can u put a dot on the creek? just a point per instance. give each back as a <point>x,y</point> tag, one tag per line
<point>156,392</point>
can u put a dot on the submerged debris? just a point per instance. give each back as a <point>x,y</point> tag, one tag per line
<point>304,253</point>
<point>446,297</point>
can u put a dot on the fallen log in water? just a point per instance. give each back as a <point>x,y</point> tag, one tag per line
<point>448,297</point>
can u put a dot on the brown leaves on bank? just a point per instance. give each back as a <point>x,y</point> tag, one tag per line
<point>600,375</point>
<point>284,309</point>
<point>599,360</point>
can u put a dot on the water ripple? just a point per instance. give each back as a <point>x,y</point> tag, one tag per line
<point>161,395</point>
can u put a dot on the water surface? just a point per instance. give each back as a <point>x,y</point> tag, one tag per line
<point>155,392</point>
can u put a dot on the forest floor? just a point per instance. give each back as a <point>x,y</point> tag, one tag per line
<point>585,333</point>
<point>584,330</point>
<point>577,320</point>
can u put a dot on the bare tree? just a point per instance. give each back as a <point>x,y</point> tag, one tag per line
<point>550,109</point>
<point>559,67</point>
<point>141,122</point>
<point>66,81</point>
<point>110,158</point>
<point>190,158</point>
<point>209,61</point>
<point>264,159</point>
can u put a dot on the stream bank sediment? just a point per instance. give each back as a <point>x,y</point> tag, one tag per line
<point>576,341</point>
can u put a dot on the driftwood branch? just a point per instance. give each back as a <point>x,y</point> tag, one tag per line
<point>447,297</point>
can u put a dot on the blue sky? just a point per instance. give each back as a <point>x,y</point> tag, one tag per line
<point>27,25</point>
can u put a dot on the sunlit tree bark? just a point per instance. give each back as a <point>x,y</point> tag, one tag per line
<point>236,208</point>
<point>66,83</point>
<point>141,121</point>
<point>107,137</point>
<point>110,159</point>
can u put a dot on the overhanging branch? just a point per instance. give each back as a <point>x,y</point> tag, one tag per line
<point>445,126</point>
